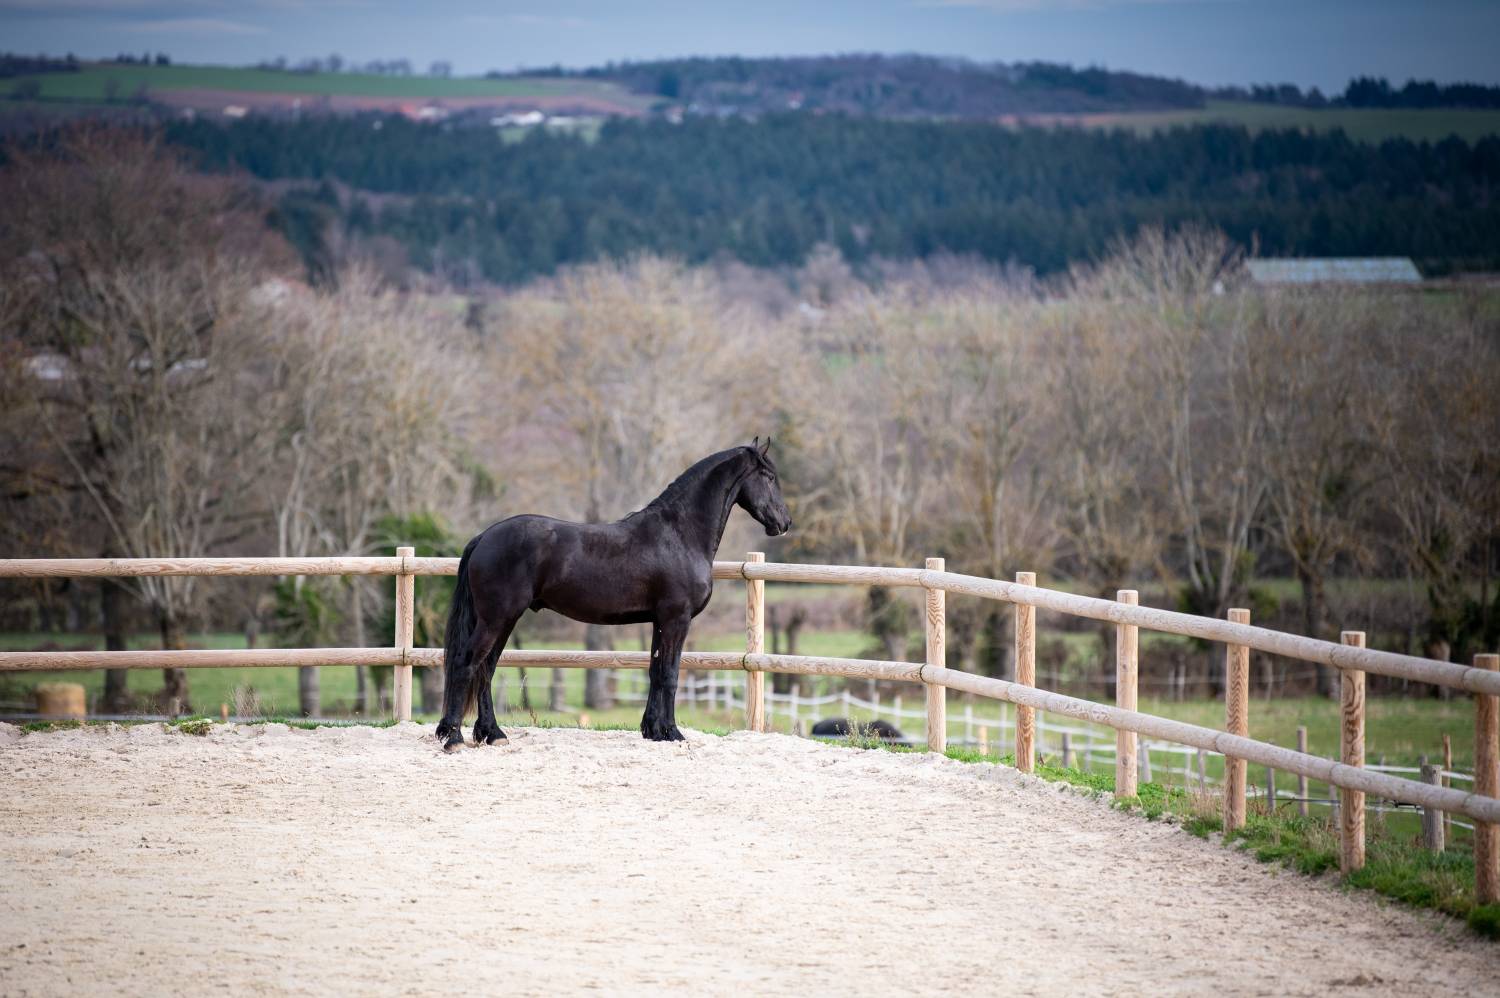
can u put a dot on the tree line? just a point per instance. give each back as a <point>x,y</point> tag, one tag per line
<point>1370,92</point>
<point>473,209</point>
<point>1149,420</point>
<point>907,85</point>
<point>888,85</point>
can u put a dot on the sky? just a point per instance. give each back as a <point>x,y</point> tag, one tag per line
<point>1307,42</point>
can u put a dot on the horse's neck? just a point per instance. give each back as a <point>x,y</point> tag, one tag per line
<point>702,510</point>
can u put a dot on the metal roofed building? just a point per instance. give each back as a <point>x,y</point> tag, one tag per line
<point>1335,270</point>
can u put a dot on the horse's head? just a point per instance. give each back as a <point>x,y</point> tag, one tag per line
<point>760,491</point>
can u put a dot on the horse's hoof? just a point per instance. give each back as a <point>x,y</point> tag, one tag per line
<point>489,736</point>
<point>496,737</point>
<point>454,742</point>
<point>661,733</point>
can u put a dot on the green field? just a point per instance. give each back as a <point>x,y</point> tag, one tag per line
<point>95,81</point>
<point>1360,124</point>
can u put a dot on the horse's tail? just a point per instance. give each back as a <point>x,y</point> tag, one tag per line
<point>461,624</point>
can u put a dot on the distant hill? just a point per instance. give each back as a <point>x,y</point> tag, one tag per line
<point>35,90</point>
<point>768,191</point>
<point>889,86</point>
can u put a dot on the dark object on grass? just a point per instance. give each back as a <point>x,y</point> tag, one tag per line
<point>655,566</point>
<point>842,726</point>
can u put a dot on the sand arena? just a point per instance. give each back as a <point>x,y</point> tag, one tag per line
<point>263,859</point>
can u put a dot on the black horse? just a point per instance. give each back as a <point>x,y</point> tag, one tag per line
<point>655,566</point>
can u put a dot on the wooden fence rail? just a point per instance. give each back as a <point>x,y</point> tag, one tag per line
<point>1384,663</point>
<point>1236,634</point>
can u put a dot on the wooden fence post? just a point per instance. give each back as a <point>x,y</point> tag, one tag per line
<point>1025,676</point>
<point>1145,761</point>
<point>937,696</point>
<point>1432,818</point>
<point>1301,778</point>
<point>1447,782</point>
<point>1352,753</point>
<point>755,644</point>
<point>1067,750</point>
<point>406,592</point>
<point>1486,782</point>
<point>1236,722</point>
<point>1127,672</point>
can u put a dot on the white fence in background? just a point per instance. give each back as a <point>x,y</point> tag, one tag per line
<point>1087,749</point>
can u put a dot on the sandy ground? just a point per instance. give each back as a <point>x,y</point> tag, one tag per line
<point>263,859</point>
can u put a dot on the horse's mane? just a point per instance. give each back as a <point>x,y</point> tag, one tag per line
<point>688,482</point>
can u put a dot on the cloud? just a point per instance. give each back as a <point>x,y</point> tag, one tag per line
<point>193,26</point>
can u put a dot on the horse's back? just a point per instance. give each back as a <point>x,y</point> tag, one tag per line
<point>597,573</point>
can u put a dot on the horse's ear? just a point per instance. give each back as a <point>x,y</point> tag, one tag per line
<point>765,448</point>
<point>755,443</point>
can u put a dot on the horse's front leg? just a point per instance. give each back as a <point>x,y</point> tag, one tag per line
<point>659,722</point>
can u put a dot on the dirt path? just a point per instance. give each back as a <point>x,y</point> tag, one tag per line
<point>363,860</point>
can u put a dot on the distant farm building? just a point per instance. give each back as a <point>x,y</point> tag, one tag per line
<point>1335,270</point>
<point>525,119</point>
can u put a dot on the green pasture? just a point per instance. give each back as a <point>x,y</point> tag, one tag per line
<point>94,82</point>
<point>1361,124</point>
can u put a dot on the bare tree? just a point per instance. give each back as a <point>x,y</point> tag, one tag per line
<point>615,378</point>
<point>146,271</point>
<point>1197,410</point>
<point>374,399</point>
<point>1310,364</point>
<point>1437,449</point>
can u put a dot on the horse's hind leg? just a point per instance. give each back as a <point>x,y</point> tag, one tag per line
<point>467,672</point>
<point>487,728</point>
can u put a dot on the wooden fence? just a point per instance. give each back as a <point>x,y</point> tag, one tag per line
<point>1349,656</point>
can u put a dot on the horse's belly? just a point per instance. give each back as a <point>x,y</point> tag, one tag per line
<point>593,614</point>
<point>621,600</point>
<point>597,602</point>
